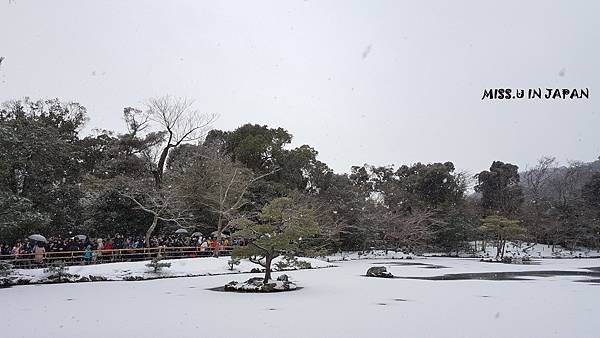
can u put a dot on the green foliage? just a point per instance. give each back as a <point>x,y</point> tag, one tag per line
<point>41,157</point>
<point>18,218</point>
<point>54,182</point>
<point>156,264</point>
<point>501,229</point>
<point>107,213</point>
<point>500,188</point>
<point>291,262</point>
<point>458,226</point>
<point>417,186</point>
<point>257,147</point>
<point>431,185</point>
<point>280,228</point>
<point>261,149</point>
<point>341,207</point>
<point>412,207</point>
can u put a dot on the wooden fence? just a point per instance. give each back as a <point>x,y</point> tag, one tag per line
<point>109,256</point>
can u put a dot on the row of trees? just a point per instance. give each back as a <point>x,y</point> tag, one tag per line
<point>171,170</point>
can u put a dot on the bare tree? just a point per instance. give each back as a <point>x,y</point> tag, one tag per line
<point>567,185</point>
<point>537,178</point>
<point>165,124</point>
<point>220,185</point>
<point>536,182</point>
<point>407,230</point>
<point>179,122</point>
<point>167,207</point>
<point>333,224</point>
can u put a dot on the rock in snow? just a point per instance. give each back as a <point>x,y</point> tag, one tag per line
<point>257,284</point>
<point>379,271</point>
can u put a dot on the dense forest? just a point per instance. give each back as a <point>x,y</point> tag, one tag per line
<point>170,169</point>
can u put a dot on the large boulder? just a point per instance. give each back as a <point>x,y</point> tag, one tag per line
<point>97,278</point>
<point>83,279</point>
<point>5,283</point>
<point>133,278</point>
<point>379,271</point>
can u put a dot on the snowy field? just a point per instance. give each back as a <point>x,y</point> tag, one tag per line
<point>333,302</point>
<point>185,267</point>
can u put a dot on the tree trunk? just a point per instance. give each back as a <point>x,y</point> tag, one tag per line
<point>150,231</point>
<point>216,252</point>
<point>498,248</point>
<point>268,259</point>
<point>160,167</point>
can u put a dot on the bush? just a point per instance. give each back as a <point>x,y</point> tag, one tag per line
<point>157,265</point>
<point>5,269</point>
<point>290,262</point>
<point>59,271</point>
<point>233,262</point>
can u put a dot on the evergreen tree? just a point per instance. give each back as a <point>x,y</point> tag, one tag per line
<point>280,228</point>
<point>501,229</point>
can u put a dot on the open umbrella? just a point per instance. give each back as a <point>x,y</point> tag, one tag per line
<point>38,237</point>
<point>181,231</point>
<point>81,237</point>
<point>197,234</point>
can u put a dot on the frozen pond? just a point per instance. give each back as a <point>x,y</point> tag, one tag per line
<point>333,302</point>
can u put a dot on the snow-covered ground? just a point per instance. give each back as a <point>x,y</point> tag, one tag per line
<point>333,302</point>
<point>539,251</point>
<point>369,254</point>
<point>185,267</point>
<point>513,249</point>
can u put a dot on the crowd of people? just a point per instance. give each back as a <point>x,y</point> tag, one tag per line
<point>118,246</point>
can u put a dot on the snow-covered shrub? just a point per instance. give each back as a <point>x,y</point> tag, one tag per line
<point>5,269</point>
<point>288,262</point>
<point>57,272</point>
<point>156,265</point>
<point>233,262</point>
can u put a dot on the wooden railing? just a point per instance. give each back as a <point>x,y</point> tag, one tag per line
<point>109,256</point>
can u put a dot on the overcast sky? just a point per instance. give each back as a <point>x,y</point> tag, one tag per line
<point>381,82</point>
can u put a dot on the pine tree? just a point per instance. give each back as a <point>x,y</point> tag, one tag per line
<point>156,264</point>
<point>501,229</point>
<point>280,229</point>
<point>5,269</point>
<point>58,271</point>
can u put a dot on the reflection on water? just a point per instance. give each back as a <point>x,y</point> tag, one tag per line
<point>515,275</point>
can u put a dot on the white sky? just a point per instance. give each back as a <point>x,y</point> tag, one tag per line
<point>383,82</point>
